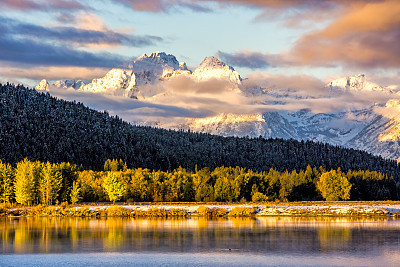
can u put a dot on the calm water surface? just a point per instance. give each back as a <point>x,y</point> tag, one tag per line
<point>271,241</point>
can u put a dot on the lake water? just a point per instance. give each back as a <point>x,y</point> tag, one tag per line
<point>270,241</point>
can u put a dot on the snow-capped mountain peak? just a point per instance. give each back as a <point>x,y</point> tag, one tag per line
<point>354,83</point>
<point>213,63</point>
<point>69,83</point>
<point>43,85</point>
<point>120,82</point>
<point>157,65</point>
<point>155,58</point>
<point>146,69</point>
<point>212,67</point>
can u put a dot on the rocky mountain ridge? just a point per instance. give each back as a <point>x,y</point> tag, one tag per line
<point>354,83</point>
<point>148,69</point>
<point>373,127</point>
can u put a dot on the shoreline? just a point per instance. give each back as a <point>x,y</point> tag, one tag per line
<point>296,209</point>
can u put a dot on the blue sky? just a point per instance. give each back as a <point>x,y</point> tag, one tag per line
<point>70,39</point>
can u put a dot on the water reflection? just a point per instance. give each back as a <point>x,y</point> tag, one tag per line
<point>277,235</point>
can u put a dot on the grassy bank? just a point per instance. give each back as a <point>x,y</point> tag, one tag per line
<point>168,210</point>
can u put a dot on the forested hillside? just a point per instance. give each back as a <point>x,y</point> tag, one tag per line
<point>40,127</point>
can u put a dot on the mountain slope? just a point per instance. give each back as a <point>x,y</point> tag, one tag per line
<point>267,125</point>
<point>149,78</point>
<point>118,82</point>
<point>40,127</point>
<point>211,67</point>
<point>355,83</point>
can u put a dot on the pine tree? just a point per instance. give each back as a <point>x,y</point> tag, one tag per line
<point>107,165</point>
<point>69,174</point>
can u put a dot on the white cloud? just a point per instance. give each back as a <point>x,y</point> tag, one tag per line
<point>177,99</point>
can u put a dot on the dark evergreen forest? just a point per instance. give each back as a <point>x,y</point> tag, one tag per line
<point>40,127</point>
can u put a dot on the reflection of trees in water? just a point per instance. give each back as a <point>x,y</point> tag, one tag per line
<point>264,235</point>
<point>334,238</point>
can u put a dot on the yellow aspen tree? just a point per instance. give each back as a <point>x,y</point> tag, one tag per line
<point>114,186</point>
<point>25,182</point>
<point>6,182</point>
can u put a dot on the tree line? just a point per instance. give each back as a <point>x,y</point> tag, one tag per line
<point>39,127</point>
<point>35,182</point>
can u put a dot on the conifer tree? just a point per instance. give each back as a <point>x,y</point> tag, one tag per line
<point>69,174</point>
<point>107,165</point>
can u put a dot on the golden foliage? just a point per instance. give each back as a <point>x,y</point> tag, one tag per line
<point>203,211</point>
<point>242,212</point>
<point>218,212</point>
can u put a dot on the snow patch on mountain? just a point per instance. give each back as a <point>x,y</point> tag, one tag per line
<point>152,69</point>
<point>118,82</point>
<point>43,85</point>
<point>212,67</point>
<point>333,127</point>
<point>391,112</point>
<point>250,125</point>
<point>355,83</point>
<point>158,65</point>
<point>156,58</point>
<point>146,69</point>
<point>69,84</point>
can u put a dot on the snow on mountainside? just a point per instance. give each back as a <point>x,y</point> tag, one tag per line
<point>254,125</point>
<point>151,69</point>
<point>361,128</point>
<point>392,113</point>
<point>211,67</point>
<point>127,81</point>
<point>336,128</point>
<point>374,127</point>
<point>43,85</point>
<point>355,83</point>
<point>118,82</point>
<point>143,70</point>
<point>383,134</point>
<point>69,83</point>
<point>158,65</point>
